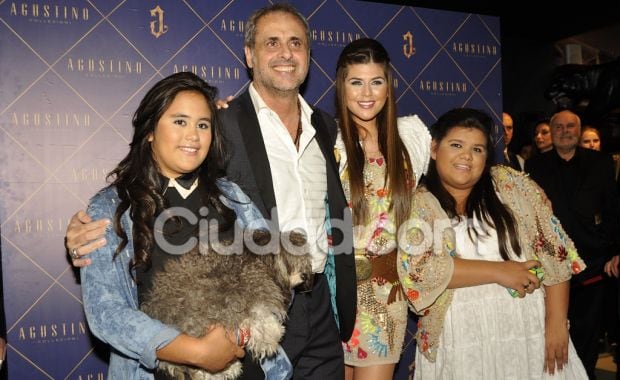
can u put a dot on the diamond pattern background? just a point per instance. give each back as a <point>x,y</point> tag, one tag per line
<point>73,71</point>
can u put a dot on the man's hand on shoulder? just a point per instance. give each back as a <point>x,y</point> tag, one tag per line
<point>223,103</point>
<point>83,237</point>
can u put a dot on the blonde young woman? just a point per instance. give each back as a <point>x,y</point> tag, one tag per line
<point>590,138</point>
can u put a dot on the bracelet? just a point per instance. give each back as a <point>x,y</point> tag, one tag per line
<point>243,337</point>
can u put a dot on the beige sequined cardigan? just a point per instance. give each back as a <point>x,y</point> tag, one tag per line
<point>425,268</point>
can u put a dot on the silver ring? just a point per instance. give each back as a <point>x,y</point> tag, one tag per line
<point>74,254</point>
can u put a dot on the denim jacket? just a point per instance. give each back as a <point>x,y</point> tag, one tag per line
<point>110,294</point>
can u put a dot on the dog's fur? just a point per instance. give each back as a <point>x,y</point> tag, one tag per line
<point>248,291</point>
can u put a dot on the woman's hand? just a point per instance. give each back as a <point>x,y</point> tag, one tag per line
<point>220,349</point>
<point>510,274</point>
<point>556,326</point>
<point>516,275</point>
<point>214,351</point>
<point>556,344</point>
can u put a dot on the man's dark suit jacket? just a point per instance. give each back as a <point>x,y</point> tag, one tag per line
<point>589,212</point>
<point>249,168</point>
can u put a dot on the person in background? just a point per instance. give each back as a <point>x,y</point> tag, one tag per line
<point>381,160</point>
<point>612,269</point>
<point>282,156</point>
<point>542,136</point>
<point>488,227</point>
<point>580,184</point>
<point>590,138</point>
<point>510,159</point>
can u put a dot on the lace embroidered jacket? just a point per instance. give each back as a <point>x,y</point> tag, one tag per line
<point>425,276</point>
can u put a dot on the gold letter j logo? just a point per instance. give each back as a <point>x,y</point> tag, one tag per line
<point>408,48</point>
<point>158,27</point>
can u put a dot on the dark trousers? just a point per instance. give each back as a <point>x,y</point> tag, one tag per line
<point>311,341</point>
<point>610,307</point>
<point>585,313</point>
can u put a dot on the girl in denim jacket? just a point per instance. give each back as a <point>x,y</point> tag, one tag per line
<point>176,159</point>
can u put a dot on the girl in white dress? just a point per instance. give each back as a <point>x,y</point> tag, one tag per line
<point>491,226</point>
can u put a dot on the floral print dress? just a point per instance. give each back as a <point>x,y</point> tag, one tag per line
<point>381,321</point>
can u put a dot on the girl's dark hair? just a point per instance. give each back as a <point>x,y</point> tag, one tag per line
<point>136,177</point>
<point>398,175</point>
<point>483,202</point>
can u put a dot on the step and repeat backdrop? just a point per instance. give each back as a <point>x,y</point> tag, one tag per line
<point>72,73</point>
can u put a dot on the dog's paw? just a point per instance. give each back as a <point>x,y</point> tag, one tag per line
<point>296,279</point>
<point>266,331</point>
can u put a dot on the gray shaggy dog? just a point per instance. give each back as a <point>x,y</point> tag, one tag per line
<point>238,291</point>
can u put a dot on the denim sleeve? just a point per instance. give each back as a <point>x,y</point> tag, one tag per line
<point>110,297</point>
<point>277,367</point>
<point>248,214</point>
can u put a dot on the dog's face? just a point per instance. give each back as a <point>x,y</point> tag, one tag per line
<point>291,262</point>
<point>295,255</point>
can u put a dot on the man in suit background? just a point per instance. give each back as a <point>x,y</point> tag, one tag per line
<point>281,155</point>
<point>510,159</point>
<point>580,184</point>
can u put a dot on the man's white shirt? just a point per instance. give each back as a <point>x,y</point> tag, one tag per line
<point>299,176</point>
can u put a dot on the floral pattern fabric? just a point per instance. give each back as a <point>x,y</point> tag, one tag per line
<point>380,324</point>
<point>425,275</point>
<point>488,334</point>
